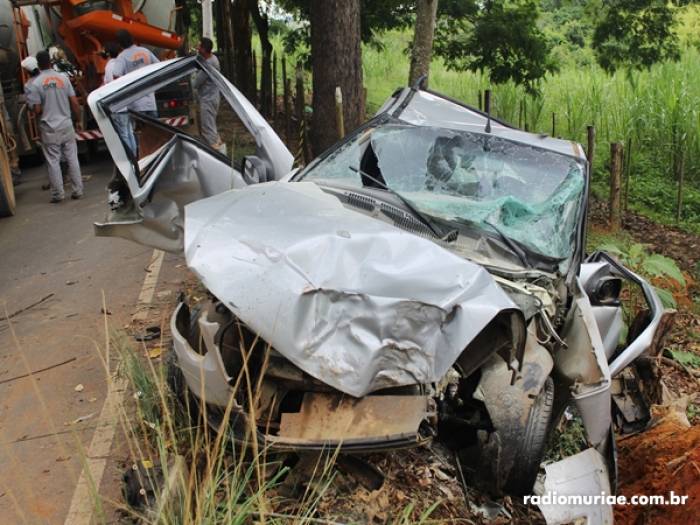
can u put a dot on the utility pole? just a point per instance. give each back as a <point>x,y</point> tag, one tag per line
<point>207,19</point>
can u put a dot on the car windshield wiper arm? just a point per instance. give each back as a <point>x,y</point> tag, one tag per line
<point>448,237</point>
<point>517,250</point>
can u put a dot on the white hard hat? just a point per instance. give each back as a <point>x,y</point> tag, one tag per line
<point>30,64</point>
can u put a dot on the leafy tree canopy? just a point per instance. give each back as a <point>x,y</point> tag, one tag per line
<point>500,37</point>
<point>635,34</point>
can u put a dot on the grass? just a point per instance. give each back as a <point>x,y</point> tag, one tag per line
<point>223,480</point>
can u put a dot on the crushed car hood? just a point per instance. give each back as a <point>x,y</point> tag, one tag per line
<point>355,302</point>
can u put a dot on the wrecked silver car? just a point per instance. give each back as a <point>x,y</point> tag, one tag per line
<point>423,279</point>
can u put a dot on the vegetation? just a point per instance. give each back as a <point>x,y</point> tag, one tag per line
<point>193,474</point>
<point>499,38</point>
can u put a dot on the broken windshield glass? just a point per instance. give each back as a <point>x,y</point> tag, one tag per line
<point>531,195</point>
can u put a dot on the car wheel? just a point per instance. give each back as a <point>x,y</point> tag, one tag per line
<point>527,462</point>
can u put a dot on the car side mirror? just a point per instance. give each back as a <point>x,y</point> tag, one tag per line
<point>606,291</point>
<point>254,170</point>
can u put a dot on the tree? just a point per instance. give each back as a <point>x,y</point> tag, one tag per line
<point>242,51</point>
<point>336,60</point>
<point>262,24</point>
<point>422,50</point>
<point>223,26</point>
<point>635,34</point>
<point>500,37</point>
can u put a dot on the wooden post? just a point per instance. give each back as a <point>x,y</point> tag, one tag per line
<point>301,116</point>
<point>286,90</point>
<point>299,100</point>
<point>628,168</point>
<point>520,115</point>
<point>339,121</point>
<point>554,124</point>
<point>273,104</point>
<point>254,76</point>
<point>590,152</point>
<point>288,109</point>
<point>680,172</point>
<point>616,156</point>
<point>363,109</point>
<point>478,102</point>
<point>526,126</point>
<point>487,101</point>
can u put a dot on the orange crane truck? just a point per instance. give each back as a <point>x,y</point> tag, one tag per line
<point>76,30</point>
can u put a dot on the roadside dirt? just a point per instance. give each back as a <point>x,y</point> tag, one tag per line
<point>680,245</point>
<point>665,458</point>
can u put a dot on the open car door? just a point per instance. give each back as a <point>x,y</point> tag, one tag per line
<point>173,167</point>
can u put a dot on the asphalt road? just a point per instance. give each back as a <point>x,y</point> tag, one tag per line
<point>48,251</point>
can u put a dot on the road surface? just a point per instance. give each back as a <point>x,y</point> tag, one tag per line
<point>49,252</point>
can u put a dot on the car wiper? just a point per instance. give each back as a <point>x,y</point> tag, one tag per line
<point>517,250</point>
<point>450,236</point>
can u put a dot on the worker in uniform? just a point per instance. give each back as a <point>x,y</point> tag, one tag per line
<point>209,96</point>
<point>31,67</point>
<point>131,58</point>
<point>111,52</point>
<point>52,97</point>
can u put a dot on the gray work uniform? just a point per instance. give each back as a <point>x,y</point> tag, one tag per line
<point>130,59</point>
<point>52,91</point>
<point>209,98</point>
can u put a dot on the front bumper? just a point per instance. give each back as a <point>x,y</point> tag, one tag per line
<point>325,420</point>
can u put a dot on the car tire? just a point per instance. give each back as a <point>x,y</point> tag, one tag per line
<point>527,461</point>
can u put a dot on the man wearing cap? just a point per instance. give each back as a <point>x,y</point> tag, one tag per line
<point>51,97</point>
<point>131,58</point>
<point>209,96</point>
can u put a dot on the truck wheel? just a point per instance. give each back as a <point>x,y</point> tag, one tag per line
<point>7,190</point>
<point>527,461</point>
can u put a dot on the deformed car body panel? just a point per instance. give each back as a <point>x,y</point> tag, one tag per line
<point>351,300</point>
<point>583,475</point>
<point>182,174</point>
<point>182,170</point>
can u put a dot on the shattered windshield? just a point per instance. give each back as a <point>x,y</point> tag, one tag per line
<point>531,195</point>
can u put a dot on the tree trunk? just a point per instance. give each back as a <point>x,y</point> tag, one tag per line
<point>426,11</point>
<point>242,52</point>
<point>336,60</point>
<point>228,66</point>
<point>262,24</point>
<point>223,33</point>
